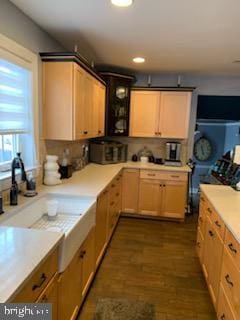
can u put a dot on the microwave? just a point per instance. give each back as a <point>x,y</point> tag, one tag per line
<point>107,151</point>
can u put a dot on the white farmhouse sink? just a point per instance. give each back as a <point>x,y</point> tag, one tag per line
<point>76,216</point>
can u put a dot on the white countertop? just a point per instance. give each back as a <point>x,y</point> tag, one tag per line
<point>226,202</point>
<point>95,177</point>
<point>21,252</point>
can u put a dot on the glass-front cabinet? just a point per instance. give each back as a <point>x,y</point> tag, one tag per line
<point>117,103</point>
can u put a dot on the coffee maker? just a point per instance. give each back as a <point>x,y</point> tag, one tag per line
<point>173,154</point>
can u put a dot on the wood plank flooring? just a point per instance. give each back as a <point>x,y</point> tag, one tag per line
<point>156,262</point>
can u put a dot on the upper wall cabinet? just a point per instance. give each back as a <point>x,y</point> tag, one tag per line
<point>73,102</point>
<point>163,114</point>
<point>117,106</point>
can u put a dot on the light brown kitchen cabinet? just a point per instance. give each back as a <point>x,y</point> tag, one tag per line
<point>163,114</point>
<point>144,113</point>
<point>88,261</point>
<point>230,281</point>
<point>149,197</point>
<point>162,194</point>
<point>75,280</point>
<point>50,295</point>
<point>174,114</point>
<point>39,280</point>
<point>225,311</point>
<point>130,187</point>
<point>73,100</point>
<point>101,225</point>
<point>213,250</point>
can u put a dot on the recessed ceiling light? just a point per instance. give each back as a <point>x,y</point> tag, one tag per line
<point>138,60</point>
<point>122,3</point>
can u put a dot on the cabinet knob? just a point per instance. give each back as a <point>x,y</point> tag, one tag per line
<point>164,185</point>
<point>99,131</point>
<point>222,317</point>
<point>211,233</point>
<point>209,210</point>
<point>160,133</point>
<point>199,244</point>
<point>85,132</point>
<point>156,133</point>
<point>231,247</point>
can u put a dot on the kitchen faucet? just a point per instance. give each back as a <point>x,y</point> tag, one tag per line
<point>17,163</point>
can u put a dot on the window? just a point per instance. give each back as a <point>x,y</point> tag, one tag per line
<point>17,104</point>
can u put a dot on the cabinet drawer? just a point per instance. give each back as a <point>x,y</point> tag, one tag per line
<point>163,175</point>
<point>38,282</point>
<point>218,224</point>
<point>233,247</point>
<point>225,311</point>
<point>230,279</point>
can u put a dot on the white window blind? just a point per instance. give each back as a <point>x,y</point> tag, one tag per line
<point>15,98</point>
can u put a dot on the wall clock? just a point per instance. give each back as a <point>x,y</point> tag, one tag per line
<point>202,149</point>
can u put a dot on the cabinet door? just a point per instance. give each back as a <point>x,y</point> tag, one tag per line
<point>200,245</point>
<point>213,249</point>
<point>58,100</point>
<point>174,196</point>
<point>78,98</point>
<point>130,188</point>
<point>50,295</point>
<point>101,109</point>
<point>101,225</point>
<point>149,197</point>
<point>88,119</point>
<point>225,311</point>
<point>70,288</point>
<point>88,260</point>
<point>144,113</point>
<point>174,114</point>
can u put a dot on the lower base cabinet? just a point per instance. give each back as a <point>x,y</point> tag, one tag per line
<point>162,198</point>
<point>225,311</point>
<point>75,280</point>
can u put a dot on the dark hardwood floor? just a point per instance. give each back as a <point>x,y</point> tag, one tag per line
<point>156,262</point>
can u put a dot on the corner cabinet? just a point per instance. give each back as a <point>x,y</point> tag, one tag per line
<point>163,114</point>
<point>73,102</point>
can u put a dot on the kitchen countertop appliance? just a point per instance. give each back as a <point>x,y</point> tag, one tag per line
<point>173,154</point>
<point>108,151</point>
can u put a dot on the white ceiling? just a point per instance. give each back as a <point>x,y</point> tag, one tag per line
<point>183,36</point>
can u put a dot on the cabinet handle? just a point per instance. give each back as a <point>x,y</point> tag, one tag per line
<point>85,132</point>
<point>99,131</point>
<point>217,224</point>
<point>113,185</point>
<point>222,317</point>
<point>151,174</point>
<point>112,203</point>
<point>174,176</point>
<point>82,254</point>
<point>44,299</point>
<point>164,185</point>
<point>160,133</point>
<point>160,185</point>
<point>227,277</point>
<point>199,244</point>
<point>117,194</point>
<point>41,281</point>
<point>231,247</point>
<point>209,210</point>
<point>200,219</point>
<point>202,199</point>
<point>156,133</point>
<point>210,233</point>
